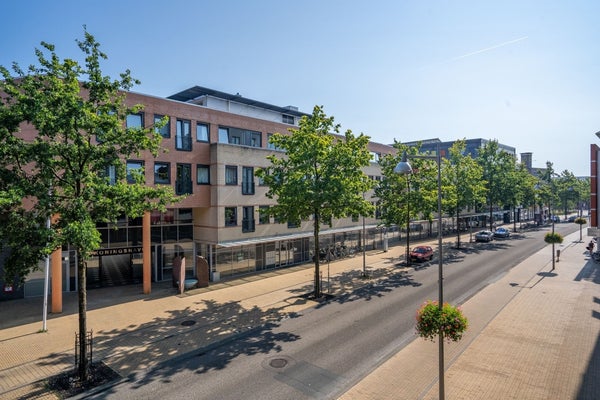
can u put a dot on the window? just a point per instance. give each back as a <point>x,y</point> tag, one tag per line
<point>287,119</point>
<point>183,140</point>
<point>135,120</point>
<point>248,219</point>
<point>230,216</point>
<point>165,131</point>
<point>240,136</point>
<point>202,174</point>
<point>162,173</point>
<point>135,169</point>
<point>183,185</point>
<point>291,224</point>
<point>263,215</point>
<point>110,172</point>
<point>231,175</point>
<point>247,180</point>
<point>202,132</point>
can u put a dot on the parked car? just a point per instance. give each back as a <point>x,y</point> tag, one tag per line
<point>501,233</point>
<point>484,236</point>
<point>555,218</point>
<point>421,253</point>
<point>572,218</point>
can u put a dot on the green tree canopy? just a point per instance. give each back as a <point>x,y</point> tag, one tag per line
<point>320,175</point>
<point>78,115</point>
<point>465,176</point>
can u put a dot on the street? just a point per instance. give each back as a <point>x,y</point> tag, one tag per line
<point>328,348</point>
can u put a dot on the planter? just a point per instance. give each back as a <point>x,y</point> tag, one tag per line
<point>449,320</point>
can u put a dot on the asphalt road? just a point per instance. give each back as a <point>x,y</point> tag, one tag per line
<point>327,349</point>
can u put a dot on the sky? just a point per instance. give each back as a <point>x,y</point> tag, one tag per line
<point>524,73</point>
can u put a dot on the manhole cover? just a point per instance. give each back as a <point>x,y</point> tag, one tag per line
<point>278,362</point>
<point>188,323</point>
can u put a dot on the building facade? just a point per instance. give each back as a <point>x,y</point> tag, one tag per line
<point>214,144</point>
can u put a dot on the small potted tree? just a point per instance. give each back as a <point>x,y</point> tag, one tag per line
<point>580,221</point>
<point>553,238</point>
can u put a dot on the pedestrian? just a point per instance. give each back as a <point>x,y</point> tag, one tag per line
<point>590,246</point>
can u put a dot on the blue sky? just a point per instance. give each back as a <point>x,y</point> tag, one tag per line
<point>526,73</point>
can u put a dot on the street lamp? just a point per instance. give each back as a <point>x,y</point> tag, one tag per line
<point>404,168</point>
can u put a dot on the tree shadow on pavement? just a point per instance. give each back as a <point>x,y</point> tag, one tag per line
<point>227,329</point>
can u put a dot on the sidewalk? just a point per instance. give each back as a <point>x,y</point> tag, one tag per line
<point>532,335</point>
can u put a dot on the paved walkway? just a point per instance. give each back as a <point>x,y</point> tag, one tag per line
<point>533,334</point>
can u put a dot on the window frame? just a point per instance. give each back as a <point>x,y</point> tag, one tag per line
<point>232,220</point>
<point>231,168</point>
<point>159,164</point>
<point>248,185</point>
<point>128,168</point>
<point>198,168</point>
<point>183,140</point>
<point>141,121</point>
<point>207,126</point>
<point>167,128</point>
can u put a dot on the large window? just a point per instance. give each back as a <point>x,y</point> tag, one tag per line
<point>165,131</point>
<point>231,177</point>
<point>230,216</point>
<point>135,169</point>
<point>202,132</point>
<point>240,136</point>
<point>248,219</point>
<point>247,180</point>
<point>183,140</point>
<point>183,185</point>
<point>162,173</point>
<point>202,174</point>
<point>135,120</point>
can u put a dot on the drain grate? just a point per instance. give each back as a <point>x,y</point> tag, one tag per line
<point>188,323</point>
<point>278,362</point>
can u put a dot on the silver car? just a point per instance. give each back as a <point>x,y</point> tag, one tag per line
<point>484,236</point>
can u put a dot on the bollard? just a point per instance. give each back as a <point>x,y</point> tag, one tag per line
<point>558,255</point>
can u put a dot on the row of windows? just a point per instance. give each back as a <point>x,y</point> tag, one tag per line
<point>162,175</point>
<point>248,220</point>
<point>183,132</point>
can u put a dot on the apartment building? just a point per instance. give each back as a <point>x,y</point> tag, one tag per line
<point>214,144</point>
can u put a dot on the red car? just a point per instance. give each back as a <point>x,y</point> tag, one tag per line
<point>421,253</point>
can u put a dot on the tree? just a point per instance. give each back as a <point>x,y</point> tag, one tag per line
<point>466,176</point>
<point>496,166</point>
<point>546,188</point>
<point>79,118</point>
<point>319,176</point>
<point>553,238</point>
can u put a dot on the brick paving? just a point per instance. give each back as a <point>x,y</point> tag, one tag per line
<point>532,335</point>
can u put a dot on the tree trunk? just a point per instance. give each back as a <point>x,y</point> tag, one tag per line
<point>83,370</point>
<point>316,223</point>
<point>491,217</point>
<point>458,228</point>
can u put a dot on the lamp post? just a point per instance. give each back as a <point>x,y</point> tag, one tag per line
<point>404,168</point>
<point>407,221</point>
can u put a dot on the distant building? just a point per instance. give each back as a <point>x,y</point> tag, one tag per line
<point>472,146</point>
